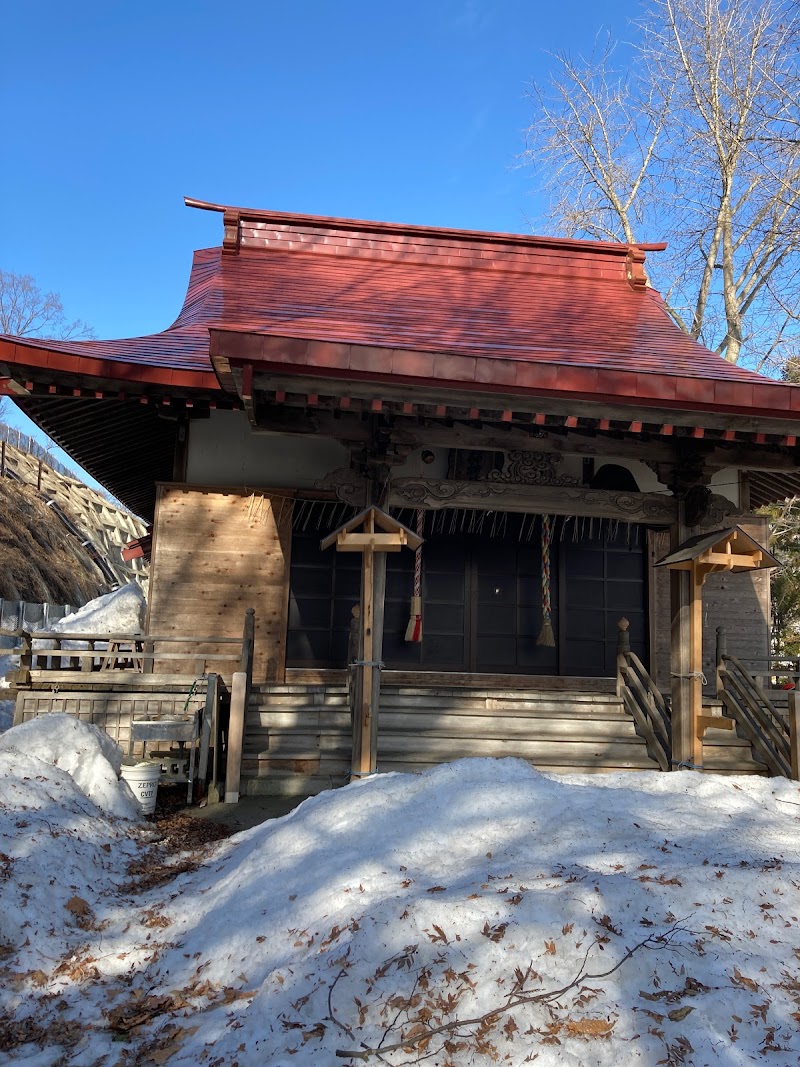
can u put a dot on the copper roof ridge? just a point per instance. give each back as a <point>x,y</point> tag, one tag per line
<point>233,215</point>
<point>524,266</point>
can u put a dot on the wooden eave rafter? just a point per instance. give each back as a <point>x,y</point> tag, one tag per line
<point>627,397</point>
<point>328,397</point>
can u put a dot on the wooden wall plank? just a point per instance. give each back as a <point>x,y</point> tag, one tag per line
<point>216,554</point>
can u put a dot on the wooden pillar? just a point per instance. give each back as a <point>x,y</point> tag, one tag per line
<point>378,598</point>
<point>697,575</point>
<point>233,772</point>
<point>794,732</point>
<point>368,687</point>
<point>680,589</point>
<point>362,723</point>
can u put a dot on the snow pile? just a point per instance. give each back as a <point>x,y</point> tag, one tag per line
<point>83,751</point>
<point>663,907</point>
<point>63,856</point>
<point>119,612</point>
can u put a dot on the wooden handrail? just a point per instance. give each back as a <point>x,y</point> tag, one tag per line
<point>763,727</point>
<point>643,700</point>
<point>771,737</point>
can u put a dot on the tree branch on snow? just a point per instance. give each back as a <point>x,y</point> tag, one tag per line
<point>422,1035</point>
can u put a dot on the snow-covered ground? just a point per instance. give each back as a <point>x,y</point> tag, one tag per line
<point>479,913</point>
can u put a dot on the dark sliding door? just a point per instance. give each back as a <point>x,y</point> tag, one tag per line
<point>602,579</point>
<point>482,601</point>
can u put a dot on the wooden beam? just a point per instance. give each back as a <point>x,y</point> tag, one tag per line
<point>431,434</point>
<point>731,559</point>
<point>602,408</point>
<point>356,542</point>
<point>247,382</point>
<point>656,509</point>
<point>713,722</point>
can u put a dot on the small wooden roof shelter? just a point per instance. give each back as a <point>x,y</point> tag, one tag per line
<point>722,550</point>
<point>390,536</point>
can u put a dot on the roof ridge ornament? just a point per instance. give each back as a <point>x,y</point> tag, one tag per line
<point>634,268</point>
<point>232,237</point>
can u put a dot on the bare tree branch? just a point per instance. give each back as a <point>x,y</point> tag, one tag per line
<point>26,311</point>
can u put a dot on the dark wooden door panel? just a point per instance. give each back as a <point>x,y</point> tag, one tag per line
<point>602,578</point>
<point>482,603</point>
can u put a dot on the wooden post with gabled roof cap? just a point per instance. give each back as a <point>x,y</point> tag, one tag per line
<point>373,533</point>
<point>730,550</point>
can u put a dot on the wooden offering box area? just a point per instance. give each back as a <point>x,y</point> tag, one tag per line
<point>442,467</point>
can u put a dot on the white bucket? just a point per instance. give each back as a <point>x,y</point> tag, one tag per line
<point>143,780</point>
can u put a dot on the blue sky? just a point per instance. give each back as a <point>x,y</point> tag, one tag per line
<point>410,112</point>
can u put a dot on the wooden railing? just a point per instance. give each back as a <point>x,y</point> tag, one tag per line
<point>43,655</point>
<point>773,735</point>
<point>643,700</point>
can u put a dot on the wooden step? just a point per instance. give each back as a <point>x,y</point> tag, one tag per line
<point>465,692</point>
<point>501,726</point>
<point>296,700</point>
<point>555,763</point>
<point>278,688</point>
<point>304,731</point>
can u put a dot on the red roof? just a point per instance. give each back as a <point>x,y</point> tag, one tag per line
<point>176,357</point>
<point>392,303</point>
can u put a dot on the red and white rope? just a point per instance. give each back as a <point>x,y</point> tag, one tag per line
<point>414,628</point>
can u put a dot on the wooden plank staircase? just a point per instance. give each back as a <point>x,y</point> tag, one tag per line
<point>298,737</point>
